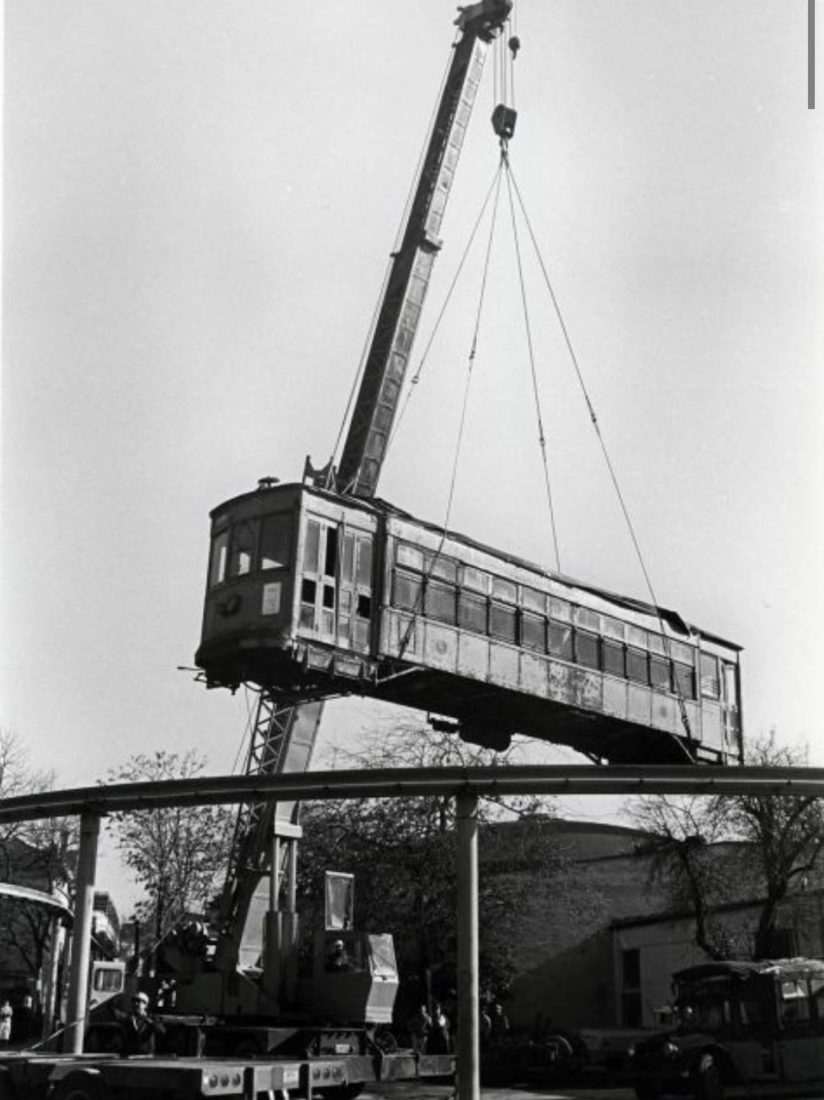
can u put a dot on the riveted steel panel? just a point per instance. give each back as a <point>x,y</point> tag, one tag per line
<point>587,689</point>
<point>615,697</point>
<point>440,646</point>
<point>712,728</point>
<point>639,704</point>
<point>473,656</point>
<point>403,634</point>
<point>503,665</point>
<point>534,674</point>
<point>664,712</point>
<point>560,682</point>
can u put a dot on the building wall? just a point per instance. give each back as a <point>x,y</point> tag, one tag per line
<point>606,961</point>
<point>565,970</point>
<point>667,944</point>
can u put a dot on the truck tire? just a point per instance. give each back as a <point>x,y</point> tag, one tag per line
<point>79,1086</point>
<point>384,1039</point>
<point>707,1081</point>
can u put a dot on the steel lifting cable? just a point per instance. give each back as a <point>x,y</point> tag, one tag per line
<point>530,347</point>
<point>416,609</point>
<point>613,476</point>
<point>356,381</point>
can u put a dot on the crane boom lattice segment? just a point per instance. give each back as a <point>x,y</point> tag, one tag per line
<point>282,740</point>
<point>365,446</point>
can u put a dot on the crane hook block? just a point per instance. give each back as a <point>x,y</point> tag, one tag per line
<point>514,45</point>
<point>503,121</point>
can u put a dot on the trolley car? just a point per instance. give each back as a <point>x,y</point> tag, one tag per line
<point>312,594</point>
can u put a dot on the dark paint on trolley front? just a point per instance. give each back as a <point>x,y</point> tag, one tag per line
<point>312,594</point>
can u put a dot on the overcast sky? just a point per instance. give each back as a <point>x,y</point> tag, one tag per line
<point>200,197</point>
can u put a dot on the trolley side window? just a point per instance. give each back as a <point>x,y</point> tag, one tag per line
<point>586,649</point>
<point>710,681</point>
<point>472,612</point>
<point>613,653</point>
<point>440,602</point>
<point>637,666</point>
<point>684,679</point>
<point>533,631</point>
<point>502,622</point>
<point>659,674</point>
<point>560,641</point>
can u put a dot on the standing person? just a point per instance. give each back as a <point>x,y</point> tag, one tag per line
<point>420,1027</point>
<point>137,1028</point>
<point>439,1038</point>
<point>485,1023</point>
<point>6,1013</point>
<point>500,1023</point>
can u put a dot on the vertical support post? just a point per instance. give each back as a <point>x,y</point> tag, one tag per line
<point>469,1073</point>
<point>82,932</point>
<point>49,1003</point>
<point>272,945</point>
<point>292,878</point>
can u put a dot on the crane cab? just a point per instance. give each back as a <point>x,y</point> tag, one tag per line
<point>355,976</point>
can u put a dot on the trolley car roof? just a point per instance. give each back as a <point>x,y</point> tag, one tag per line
<point>379,506</point>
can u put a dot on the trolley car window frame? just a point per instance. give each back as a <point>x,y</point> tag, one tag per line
<point>242,547</point>
<point>494,606</point>
<point>587,649</point>
<point>533,631</point>
<point>275,549</point>
<point>220,558</point>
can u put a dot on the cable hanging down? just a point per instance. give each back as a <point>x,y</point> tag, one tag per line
<point>408,632</point>
<point>596,426</point>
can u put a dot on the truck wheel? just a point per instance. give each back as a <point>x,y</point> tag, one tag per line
<point>385,1040</point>
<point>708,1084</point>
<point>79,1086</point>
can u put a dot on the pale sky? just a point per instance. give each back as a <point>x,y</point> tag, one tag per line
<point>200,197</point>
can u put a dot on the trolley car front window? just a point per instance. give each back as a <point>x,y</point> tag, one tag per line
<point>243,549</point>
<point>275,537</point>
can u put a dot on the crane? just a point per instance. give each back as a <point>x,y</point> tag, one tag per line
<point>285,727</point>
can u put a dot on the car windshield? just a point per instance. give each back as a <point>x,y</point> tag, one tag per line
<point>703,1006</point>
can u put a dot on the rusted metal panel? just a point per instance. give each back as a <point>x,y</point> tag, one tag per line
<point>534,674</point>
<point>712,726</point>
<point>401,634</point>
<point>639,704</point>
<point>560,682</point>
<point>615,697</point>
<point>473,656</point>
<point>664,712</point>
<point>440,646</point>
<point>503,665</point>
<point>587,688</point>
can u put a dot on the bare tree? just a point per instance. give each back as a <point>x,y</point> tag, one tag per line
<point>402,852</point>
<point>177,854</point>
<point>777,842</point>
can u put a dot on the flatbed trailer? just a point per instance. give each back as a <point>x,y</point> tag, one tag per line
<point>30,1075</point>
